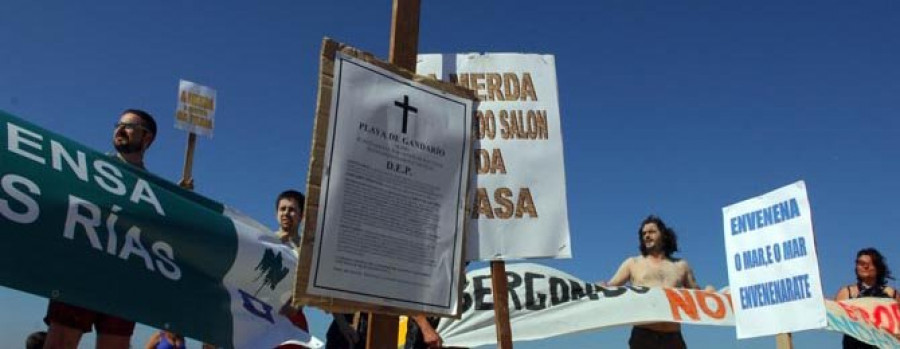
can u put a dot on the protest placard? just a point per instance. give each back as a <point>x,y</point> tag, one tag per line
<point>773,268</point>
<point>520,208</point>
<point>196,109</point>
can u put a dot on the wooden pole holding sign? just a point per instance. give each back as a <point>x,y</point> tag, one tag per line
<point>187,177</point>
<point>501,304</point>
<point>195,114</point>
<point>405,34</point>
<point>783,341</point>
<point>404,46</point>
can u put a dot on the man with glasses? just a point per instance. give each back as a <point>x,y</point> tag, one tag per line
<point>132,137</point>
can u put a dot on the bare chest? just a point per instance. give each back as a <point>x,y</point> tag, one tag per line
<point>656,273</point>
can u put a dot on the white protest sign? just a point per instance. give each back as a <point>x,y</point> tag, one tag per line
<point>393,193</point>
<point>520,206</point>
<point>773,269</point>
<point>196,108</point>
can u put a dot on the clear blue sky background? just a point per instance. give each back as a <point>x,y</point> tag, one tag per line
<point>676,108</point>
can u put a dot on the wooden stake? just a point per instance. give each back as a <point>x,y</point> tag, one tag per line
<point>783,341</point>
<point>405,34</point>
<point>404,48</point>
<point>382,331</point>
<point>187,180</point>
<point>501,304</point>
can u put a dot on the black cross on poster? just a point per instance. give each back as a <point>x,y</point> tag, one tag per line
<point>406,109</point>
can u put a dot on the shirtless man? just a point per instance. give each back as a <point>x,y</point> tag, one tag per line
<point>656,267</point>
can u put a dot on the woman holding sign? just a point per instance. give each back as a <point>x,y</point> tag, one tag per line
<point>872,273</point>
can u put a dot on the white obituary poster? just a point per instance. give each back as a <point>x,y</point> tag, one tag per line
<point>391,212</point>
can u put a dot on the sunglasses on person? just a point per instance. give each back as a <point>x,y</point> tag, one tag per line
<point>129,126</point>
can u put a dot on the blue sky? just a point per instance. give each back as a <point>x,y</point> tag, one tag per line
<point>676,108</point>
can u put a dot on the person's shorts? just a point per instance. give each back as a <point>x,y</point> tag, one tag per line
<point>642,338</point>
<point>84,319</point>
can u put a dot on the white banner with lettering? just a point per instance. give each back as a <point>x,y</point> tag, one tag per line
<point>520,202</point>
<point>545,302</point>
<point>773,269</point>
<point>872,320</point>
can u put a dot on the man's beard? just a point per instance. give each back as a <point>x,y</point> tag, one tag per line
<point>127,148</point>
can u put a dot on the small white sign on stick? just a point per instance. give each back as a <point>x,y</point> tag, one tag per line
<point>196,108</point>
<point>773,268</point>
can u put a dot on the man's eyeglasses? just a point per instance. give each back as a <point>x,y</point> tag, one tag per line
<point>129,126</point>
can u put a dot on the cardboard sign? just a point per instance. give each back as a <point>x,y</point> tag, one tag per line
<point>388,183</point>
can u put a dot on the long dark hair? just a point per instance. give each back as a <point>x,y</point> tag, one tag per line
<point>669,239</point>
<point>882,272</point>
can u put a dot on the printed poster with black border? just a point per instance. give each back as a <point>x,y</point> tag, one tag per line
<point>390,223</point>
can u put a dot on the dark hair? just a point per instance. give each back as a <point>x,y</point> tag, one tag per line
<point>36,340</point>
<point>669,239</point>
<point>882,272</point>
<point>149,122</point>
<point>292,195</point>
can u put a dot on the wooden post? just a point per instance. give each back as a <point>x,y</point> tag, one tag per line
<point>501,304</point>
<point>382,333</point>
<point>783,341</point>
<point>187,180</point>
<point>405,34</point>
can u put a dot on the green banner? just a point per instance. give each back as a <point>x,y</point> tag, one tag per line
<point>85,228</point>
